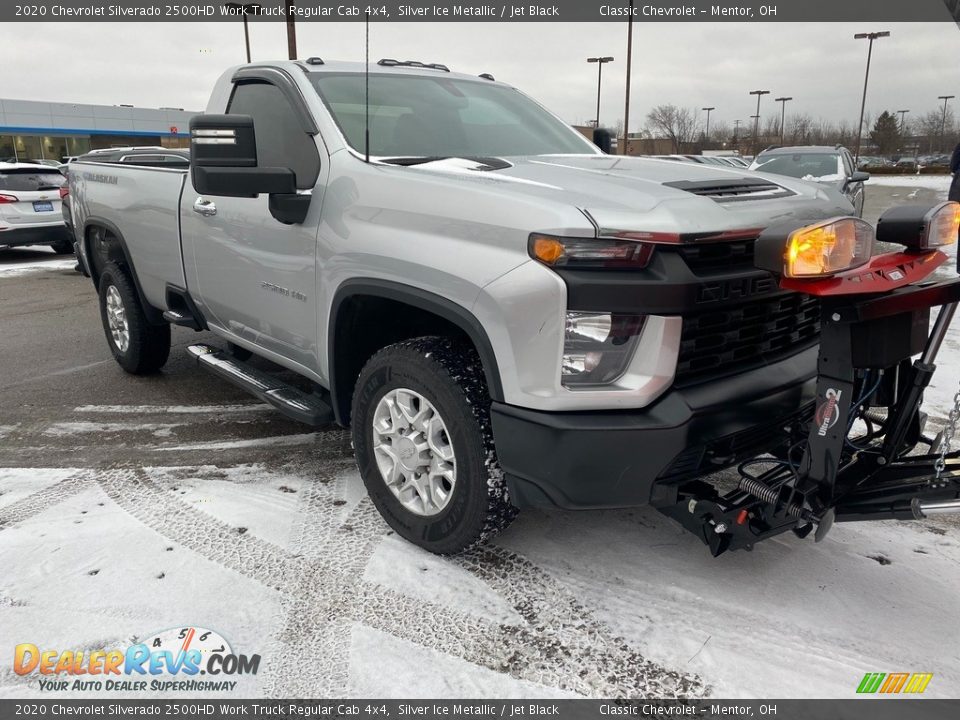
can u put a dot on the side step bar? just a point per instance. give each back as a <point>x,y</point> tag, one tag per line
<point>290,401</point>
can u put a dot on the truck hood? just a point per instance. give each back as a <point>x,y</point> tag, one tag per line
<point>649,195</point>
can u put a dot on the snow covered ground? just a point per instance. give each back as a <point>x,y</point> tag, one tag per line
<point>940,183</point>
<point>121,518</point>
<point>17,261</point>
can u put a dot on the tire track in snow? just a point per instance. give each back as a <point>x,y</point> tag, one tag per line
<point>35,503</point>
<point>135,493</point>
<point>323,593</point>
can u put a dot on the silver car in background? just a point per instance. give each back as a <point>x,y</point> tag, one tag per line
<point>30,211</point>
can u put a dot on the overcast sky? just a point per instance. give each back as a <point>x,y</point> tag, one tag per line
<point>689,64</point>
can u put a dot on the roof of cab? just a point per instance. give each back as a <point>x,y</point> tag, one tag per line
<point>425,68</point>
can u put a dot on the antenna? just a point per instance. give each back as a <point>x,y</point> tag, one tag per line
<point>366,78</point>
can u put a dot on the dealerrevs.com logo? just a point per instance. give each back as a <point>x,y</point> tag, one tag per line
<point>169,661</point>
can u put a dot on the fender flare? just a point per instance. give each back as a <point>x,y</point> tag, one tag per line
<point>154,315</point>
<point>424,300</point>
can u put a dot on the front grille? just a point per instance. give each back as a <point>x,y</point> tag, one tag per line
<point>730,340</point>
<point>719,256</point>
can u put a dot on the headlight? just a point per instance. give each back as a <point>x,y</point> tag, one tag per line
<point>598,347</point>
<point>920,227</point>
<point>818,250</point>
<point>588,252</point>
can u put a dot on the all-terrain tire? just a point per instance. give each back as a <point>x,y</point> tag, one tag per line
<point>145,347</point>
<point>449,375</point>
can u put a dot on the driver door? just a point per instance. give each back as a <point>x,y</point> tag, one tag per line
<point>256,276</point>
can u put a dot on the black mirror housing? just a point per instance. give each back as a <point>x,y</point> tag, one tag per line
<point>859,176</point>
<point>223,159</point>
<point>223,141</point>
<point>243,181</point>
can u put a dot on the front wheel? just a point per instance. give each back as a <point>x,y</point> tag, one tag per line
<point>138,346</point>
<point>424,444</point>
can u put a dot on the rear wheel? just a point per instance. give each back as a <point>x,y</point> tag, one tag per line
<point>138,346</point>
<point>424,444</point>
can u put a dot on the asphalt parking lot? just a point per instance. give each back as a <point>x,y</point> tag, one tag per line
<point>130,505</point>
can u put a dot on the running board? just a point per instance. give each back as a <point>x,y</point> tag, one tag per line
<point>291,401</point>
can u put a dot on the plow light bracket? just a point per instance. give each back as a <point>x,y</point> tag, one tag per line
<point>920,227</point>
<point>815,250</point>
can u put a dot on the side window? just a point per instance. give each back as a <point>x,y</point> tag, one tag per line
<point>281,141</point>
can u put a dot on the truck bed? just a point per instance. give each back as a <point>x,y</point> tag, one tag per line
<point>142,206</point>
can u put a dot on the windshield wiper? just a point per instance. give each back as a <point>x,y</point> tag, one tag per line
<point>486,163</point>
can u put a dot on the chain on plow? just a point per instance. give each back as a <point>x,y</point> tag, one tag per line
<point>948,433</point>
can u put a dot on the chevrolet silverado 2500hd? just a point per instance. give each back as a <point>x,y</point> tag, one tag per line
<point>502,314</point>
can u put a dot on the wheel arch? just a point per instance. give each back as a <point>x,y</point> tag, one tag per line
<point>344,363</point>
<point>116,250</point>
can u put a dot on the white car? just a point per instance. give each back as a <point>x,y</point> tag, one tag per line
<point>30,207</point>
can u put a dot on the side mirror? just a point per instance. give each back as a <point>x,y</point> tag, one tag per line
<point>603,139</point>
<point>223,162</point>
<point>859,176</point>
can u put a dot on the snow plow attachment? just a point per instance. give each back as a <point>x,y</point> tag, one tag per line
<point>860,452</point>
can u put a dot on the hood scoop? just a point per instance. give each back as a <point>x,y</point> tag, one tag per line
<point>723,191</point>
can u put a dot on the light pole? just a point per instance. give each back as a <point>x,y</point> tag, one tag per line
<point>756,121</point>
<point>863,103</point>
<point>903,121</point>
<point>600,62</point>
<point>706,133</point>
<point>291,31</point>
<point>783,115</point>
<point>626,102</point>
<point>245,9</point>
<point>943,121</point>
<point>736,132</point>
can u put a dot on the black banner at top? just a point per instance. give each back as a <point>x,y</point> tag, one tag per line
<point>485,11</point>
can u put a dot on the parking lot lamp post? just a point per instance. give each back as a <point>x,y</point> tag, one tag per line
<point>245,9</point>
<point>903,121</point>
<point>943,121</point>
<point>866,78</point>
<point>783,115</point>
<point>756,119</point>
<point>706,133</point>
<point>291,31</point>
<point>600,61</point>
<point>736,132</point>
<point>626,102</point>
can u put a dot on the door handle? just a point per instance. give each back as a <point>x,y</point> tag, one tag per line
<point>204,207</point>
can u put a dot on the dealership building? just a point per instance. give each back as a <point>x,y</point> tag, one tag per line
<point>32,130</point>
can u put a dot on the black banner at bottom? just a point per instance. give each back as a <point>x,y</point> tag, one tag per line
<point>875,708</point>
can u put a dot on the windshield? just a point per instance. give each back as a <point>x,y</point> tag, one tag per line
<point>806,166</point>
<point>31,179</point>
<point>412,115</point>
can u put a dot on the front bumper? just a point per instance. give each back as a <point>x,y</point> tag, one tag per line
<point>36,235</point>
<point>582,460</point>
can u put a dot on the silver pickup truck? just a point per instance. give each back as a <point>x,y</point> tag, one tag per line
<point>505,315</point>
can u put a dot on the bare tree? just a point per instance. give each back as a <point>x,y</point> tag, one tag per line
<point>928,128</point>
<point>680,125</point>
<point>798,128</point>
<point>722,131</point>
